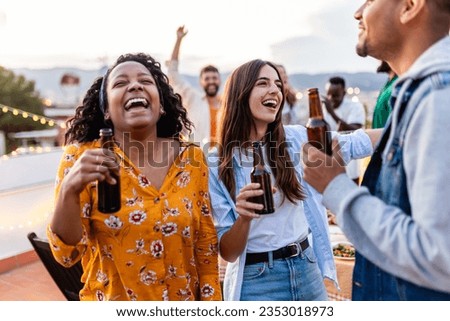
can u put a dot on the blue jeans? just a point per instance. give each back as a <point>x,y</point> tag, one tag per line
<point>292,279</point>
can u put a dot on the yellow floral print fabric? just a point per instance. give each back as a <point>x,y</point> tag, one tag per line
<point>161,244</point>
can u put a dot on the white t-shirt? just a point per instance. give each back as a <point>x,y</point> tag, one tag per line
<point>352,113</point>
<point>349,111</point>
<point>290,219</point>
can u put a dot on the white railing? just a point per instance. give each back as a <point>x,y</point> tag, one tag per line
<point>26,197</point>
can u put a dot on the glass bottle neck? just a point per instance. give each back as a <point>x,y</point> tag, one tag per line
<point>258,158</point>
<point>315,106</point>
<point>107,142</point>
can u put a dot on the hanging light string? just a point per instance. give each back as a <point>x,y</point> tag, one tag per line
<point>37,118</point>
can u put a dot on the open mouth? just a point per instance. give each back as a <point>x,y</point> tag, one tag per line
<point>136,102</point>
<point>270,103</point>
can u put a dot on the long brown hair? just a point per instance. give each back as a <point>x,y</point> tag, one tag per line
<point>236,122</point>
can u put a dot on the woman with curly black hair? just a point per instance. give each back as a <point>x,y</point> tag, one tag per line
<point>161,244</point>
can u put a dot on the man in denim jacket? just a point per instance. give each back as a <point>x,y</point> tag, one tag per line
<point>399,221</point>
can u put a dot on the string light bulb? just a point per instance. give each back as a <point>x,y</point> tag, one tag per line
<point>37,118</point>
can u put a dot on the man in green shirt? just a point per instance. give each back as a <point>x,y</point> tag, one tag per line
<point>383,108</point>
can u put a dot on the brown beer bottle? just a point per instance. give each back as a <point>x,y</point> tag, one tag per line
<point>318,130</point>
<point>261,175</point>
<point>108,195</point>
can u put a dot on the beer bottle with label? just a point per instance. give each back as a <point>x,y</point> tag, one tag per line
<point>318,130</point>
<point>261,175</point>
<point>108,195</point>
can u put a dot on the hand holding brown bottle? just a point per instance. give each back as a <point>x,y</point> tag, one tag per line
<point>244,206</point>
<point>93,165</point>
<point>319,168</point>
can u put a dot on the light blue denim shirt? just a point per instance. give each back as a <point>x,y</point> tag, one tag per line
<point>355,145</point>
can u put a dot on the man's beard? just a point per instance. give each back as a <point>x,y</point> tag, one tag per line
<point>361,49</point>
<point>211,90</point>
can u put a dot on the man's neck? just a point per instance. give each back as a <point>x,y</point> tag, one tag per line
<point>213,101</point>
<point>340,104</point>
<point>412,50</point>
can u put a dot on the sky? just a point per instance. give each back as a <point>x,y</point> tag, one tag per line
<point>310,36</point>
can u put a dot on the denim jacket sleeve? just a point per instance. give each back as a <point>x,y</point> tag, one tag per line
<point>224,208</point>
<point>224,214</point>
<point>354,145</point>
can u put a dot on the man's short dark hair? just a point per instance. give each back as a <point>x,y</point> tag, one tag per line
<point>208,68</point>
<point>337,81</point>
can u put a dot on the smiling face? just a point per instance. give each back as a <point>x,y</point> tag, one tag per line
<point>133,98</point>
<point>379,26</point>
<point>335,94</point>
<point>266,97</point>
<point>210,82</point>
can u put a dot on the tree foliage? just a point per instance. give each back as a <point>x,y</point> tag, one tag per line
<point>18,92</point>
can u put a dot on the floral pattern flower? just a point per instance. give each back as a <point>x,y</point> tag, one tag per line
<point>137,217</point>
<point>113,222</point>
<point>106,252</point>
<point>102,278</point>
<point>140,247</point>
<point>66,171</point>
<point>183,179</point>
<point>86,210</point>
<point>205,210</point>
<point>69,157</point>
<point>135,200</point>
<point>143,181</point>
<point>207,290</point>
<point>100,295</point>
<point>172,271</point>
<point>186,232</point>
<point>188,205</point>
<point>157,248</point>
<point>147,277</point>
<point>131,295</point>
<point>169,229</point>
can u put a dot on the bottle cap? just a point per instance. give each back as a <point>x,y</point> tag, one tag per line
<point>106,132</point>
<point>313,90</point>
<point>256,143</point>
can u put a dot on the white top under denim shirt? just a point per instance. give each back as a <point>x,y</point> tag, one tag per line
<point>289,218</point>
<point>354,145</point>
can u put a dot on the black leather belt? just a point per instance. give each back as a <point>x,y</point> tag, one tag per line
<point>290,250</point>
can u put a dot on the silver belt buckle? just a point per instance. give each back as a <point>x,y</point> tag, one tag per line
<point>297,247</point>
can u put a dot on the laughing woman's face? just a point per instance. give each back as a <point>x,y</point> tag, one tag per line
<point>266,96</point>
<point>133,97</point>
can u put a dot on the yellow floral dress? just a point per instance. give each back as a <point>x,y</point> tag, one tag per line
<point>161,244</point>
